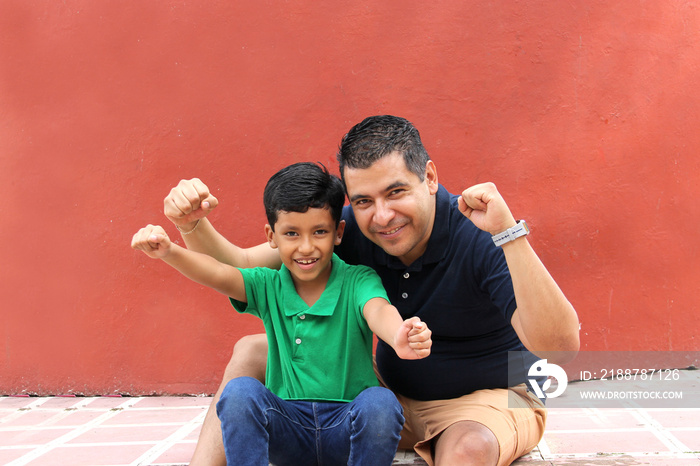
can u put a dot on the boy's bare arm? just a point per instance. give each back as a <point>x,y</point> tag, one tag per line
<point>187,206</point>
<point>200,268</point>
<point>410,338</point>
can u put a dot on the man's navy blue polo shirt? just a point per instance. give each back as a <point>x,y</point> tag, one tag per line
<point>461,288</point>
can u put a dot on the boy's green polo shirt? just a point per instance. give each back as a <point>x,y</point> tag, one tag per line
<point>323,352</point>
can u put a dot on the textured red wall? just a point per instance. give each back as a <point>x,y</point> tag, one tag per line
<point>584,113</point>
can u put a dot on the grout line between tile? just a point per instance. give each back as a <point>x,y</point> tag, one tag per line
<point>164,445</point>
<point>663,434</point>
<point>24,459</point>
<point>544,449</point>
<point>19,412</point>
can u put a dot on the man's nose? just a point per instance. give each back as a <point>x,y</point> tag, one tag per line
<point>383,214</point>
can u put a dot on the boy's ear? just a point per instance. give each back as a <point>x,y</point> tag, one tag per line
<point>339,232</point>
<point>270,235</point>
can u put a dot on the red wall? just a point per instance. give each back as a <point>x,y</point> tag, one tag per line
<point>583,112</point>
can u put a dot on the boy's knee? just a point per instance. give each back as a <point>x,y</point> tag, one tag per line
<point>238,396</point>
<point>380,405</point>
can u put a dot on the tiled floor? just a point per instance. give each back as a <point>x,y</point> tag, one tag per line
<point>163,431</point>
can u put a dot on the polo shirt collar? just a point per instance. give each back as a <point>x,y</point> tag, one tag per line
<point>326,304</point>
<point>438,243</point>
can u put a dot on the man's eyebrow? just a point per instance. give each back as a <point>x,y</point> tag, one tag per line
<point>391,187</point>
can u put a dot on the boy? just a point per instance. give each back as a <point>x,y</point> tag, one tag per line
<point>321,403</point>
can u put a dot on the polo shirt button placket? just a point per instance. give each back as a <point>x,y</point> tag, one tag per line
<point>298,340</point>
<point>406,275</point>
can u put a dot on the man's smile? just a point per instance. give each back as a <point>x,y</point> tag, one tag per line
<point>388,232</point>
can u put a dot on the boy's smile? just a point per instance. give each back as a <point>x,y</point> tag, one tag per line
<point>305,241</point>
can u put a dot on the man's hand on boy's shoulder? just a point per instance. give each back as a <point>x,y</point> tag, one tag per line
<point>188,202</point>
<point>153,241</point>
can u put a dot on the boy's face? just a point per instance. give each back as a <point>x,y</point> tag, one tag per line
<point>305,242</point>
<point>393,207</point>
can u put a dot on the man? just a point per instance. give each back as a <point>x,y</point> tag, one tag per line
<point>460,263</point>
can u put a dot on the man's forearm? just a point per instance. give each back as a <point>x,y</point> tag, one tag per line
<point>545,320</point>
<point>207,240</point>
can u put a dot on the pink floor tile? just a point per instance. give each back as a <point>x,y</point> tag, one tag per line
<point>592,419</point>
<point>60,402</point>
<point>194,435</point>
<point>689,438</point>
<point>15,402</point>
<point>169,402</point>
<point>10,455</point>
<point>154,416</point>
<point>178,453</point>
<point>108,402</point>
<point>77,418</point>
<point>676,417</point>
<point>30,437</point>
<point>91,455</point>
<point>604,442</point>
<point>126,434</point>
<point>30,418</point>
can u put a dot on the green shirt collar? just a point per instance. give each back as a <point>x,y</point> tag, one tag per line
<point>326,304</point>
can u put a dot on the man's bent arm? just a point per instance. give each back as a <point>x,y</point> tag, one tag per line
<point>187,206</point>
<point>207,240</point>
<point>545,320</point>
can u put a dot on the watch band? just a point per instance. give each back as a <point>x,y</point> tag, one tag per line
<point>520,229</point>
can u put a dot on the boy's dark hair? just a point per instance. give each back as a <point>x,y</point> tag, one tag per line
<point>300,186</point>
<point>376,136</point>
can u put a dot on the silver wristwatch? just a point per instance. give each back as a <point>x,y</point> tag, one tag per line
<point>520,229</point>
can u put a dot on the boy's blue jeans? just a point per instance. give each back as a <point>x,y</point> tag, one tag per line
<point>260,428</point>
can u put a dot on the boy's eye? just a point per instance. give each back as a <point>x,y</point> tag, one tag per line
<point>291,233</point>
<point>321,232</point>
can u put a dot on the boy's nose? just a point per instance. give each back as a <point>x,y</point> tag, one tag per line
<point>306,245</point>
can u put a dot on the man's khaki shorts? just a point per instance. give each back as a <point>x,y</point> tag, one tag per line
<point>518,428</point>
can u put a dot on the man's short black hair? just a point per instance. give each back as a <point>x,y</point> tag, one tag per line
<point>377,136</point>
<point>300,186</point>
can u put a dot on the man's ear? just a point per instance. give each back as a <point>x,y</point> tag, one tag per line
<point>431,177</point>
<point>270,235</point>
<point>339,232</point>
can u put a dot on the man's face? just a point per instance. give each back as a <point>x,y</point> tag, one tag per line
<point>393,208</point>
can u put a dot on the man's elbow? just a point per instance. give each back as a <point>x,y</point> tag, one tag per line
<point>566,349</point>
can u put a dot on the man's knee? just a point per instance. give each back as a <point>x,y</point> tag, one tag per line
<point>249,358</point>
<point>467,443</point>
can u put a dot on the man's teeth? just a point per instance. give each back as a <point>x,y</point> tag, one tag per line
<point>391,232</point>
